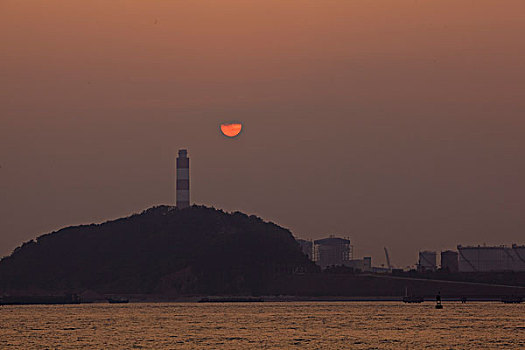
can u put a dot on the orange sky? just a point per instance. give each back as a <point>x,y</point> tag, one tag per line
<point>397,123</point>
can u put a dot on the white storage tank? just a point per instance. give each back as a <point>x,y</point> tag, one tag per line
<point>332,251</point>
<point>427,261</point>
<point>449,261</point>
<point>491,258</point>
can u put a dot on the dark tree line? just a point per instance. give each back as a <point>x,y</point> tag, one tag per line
<point>197,250</point>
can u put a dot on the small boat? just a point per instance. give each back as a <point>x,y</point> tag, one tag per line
<point>412,298</point>
<point>231,300</point>
<point>511,299</point>
<point>118,300</point>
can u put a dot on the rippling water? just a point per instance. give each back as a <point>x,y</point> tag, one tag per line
<point>355,325</point>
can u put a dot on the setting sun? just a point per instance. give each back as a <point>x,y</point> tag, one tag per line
<point>231,129</point>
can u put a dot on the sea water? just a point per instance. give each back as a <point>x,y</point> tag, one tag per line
<point>319,325</point>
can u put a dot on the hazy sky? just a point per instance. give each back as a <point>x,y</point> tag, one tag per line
<point>396,123</point>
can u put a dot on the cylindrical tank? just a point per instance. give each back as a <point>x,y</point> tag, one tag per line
<point>519,254</point>
<point>495,258</point>
<point>449,261</point>
<point>332,251</point>
<point>427,261</point>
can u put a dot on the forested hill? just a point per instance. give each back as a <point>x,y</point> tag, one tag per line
<point>197,250</point>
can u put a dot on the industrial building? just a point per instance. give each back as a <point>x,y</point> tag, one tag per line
<point>427,261</point>
<point>364,264</point>
<point>495,258</point>
<point>332,251</point>
<point>307,247</point>
<point>183,180</point>
<point>449,261</point>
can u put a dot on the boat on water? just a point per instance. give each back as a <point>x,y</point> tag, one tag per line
<point>512,299</point>
<point>118,300</point>
<point>412,298</point>
<point>231,300</point>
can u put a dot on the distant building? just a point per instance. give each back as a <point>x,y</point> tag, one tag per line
<point>364,264</point>
<point>307,247</point>
<point>449,261</point>
<point>376,269</point>
<point>332,251</point>
<point>183,180</point>
<point>427,261</point>
<point>485,259</point>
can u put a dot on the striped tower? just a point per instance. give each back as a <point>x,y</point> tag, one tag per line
<point>183,180</point>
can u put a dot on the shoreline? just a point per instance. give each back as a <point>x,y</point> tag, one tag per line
<point>268,300</point>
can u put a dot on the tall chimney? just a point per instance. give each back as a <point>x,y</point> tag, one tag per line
<point>183,180</point>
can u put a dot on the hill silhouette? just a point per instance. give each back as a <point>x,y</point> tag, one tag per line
<point>197,250</point>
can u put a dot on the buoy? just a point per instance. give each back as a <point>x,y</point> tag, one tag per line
<point>438,301</point>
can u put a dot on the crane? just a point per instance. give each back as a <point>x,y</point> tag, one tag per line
<point>388,260</point>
